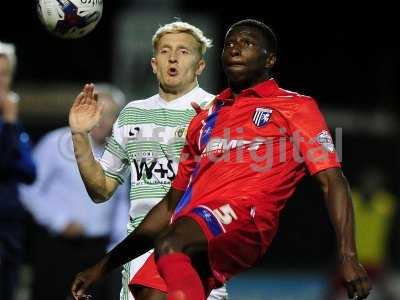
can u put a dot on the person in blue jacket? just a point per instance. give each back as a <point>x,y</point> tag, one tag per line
<point>16,166</point>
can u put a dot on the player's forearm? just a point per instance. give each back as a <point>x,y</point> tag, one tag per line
<point>143,237</point>
<point>340,207</point>
<point>91,171</point>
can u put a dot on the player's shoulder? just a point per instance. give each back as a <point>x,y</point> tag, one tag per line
<point>292,96</point>
<point>202,97</point>
<point>289,103</point>
<point>147,103</point>
<point>135,109</point>
<point>296,101</point>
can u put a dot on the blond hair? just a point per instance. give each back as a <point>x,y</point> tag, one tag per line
<point>8,51</point>
<point>183,27</point>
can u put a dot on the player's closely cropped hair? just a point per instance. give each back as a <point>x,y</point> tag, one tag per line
<point>183,27</point>
<point>267,32</point>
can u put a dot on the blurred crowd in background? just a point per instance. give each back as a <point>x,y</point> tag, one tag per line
<point>349,62</point>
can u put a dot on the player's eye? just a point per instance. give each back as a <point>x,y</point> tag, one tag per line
<point>164,51</point>
<point>184,51</point>
<point>228,45</point>
<point>249,44</point>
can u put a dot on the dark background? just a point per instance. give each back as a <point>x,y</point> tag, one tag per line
<point>346,57</point>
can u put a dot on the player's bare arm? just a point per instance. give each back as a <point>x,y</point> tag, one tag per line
<point>138,242</point>
<point>338,201</point>
<point>84,115</point>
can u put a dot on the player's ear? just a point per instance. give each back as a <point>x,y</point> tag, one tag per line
<point>200,67</point>
<point>153,63</point>
<point>271,60</point>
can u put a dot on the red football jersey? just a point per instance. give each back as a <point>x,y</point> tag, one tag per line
<point>253,150</point>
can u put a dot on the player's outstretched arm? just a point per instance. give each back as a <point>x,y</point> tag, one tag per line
<point>84,115</point>
<point>138,242</point>
<point>338,201</point>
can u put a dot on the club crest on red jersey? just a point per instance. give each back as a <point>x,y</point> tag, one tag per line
<point>261,116</point>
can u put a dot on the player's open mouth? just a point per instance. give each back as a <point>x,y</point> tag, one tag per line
<point>172,71</point>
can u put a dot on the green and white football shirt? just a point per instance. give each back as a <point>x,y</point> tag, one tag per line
<point>146,142</point>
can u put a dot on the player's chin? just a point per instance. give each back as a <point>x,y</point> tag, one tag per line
<point>237,75</point>
<point>172,80</point>
<point>171,86</point>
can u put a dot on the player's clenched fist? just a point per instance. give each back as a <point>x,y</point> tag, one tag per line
<point>84,280</point>
<point>355,279</point>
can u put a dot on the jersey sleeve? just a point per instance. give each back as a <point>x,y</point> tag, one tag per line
<point>114,160</point>
<point>188,159</point>
<point>312,138</point>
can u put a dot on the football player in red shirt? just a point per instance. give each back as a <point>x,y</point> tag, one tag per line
<point>243,158</point>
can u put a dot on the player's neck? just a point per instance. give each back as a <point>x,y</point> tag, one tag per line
<point>171,95</point>
<point>238,87</point>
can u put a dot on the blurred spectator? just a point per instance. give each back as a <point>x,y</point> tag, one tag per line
<point>374,208</point>
<point>16,166</point>
<point>70,225</point>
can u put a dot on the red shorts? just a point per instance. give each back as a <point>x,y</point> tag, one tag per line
<point>148,276</point>
<point>237,238</point>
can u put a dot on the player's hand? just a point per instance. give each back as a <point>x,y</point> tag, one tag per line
<point>355,278</point>
<point>199,109</point>
<point>84,280</point>
<point>8,107</point>
<point>86,112</point>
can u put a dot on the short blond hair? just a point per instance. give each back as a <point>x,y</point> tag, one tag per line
<point>183,27</point>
